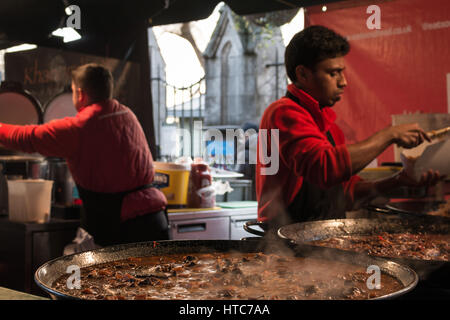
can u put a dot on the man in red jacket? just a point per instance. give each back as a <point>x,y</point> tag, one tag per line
<point>108,157</point>
<point>316,177</point>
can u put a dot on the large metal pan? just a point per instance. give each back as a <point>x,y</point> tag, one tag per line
<point>52,270</point>
<point>304,233</point>
<point>418,207</point>
<point>409,208</point>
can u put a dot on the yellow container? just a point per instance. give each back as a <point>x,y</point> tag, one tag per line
<point>173,181</point>
<point>373,174</point>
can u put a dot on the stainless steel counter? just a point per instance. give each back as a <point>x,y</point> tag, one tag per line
<point>224,223</point>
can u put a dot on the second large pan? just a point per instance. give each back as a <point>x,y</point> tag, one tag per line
<point>304,233</point>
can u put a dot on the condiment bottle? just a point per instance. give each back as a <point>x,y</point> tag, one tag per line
<point>201,193</point>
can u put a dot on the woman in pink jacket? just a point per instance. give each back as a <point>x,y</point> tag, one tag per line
<point>108,157</point>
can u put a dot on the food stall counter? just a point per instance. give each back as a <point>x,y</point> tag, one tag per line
<point>8,294</point>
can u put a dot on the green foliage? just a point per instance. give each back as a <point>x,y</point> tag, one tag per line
<point>259,30</point>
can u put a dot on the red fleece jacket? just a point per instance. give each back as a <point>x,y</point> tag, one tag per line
<point>304,153</point>
<point>105,148</point>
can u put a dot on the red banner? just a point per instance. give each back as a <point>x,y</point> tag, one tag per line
<point>402,67</point>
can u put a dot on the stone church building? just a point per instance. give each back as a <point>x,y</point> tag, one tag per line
<point>158,83</point>
<point>244,71</point>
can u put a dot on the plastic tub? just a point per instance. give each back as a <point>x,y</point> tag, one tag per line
<point>29,200</point>
<point>173,180</point>
<point>378,173</point>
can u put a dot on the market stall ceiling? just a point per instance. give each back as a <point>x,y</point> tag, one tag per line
<point>33,20</point>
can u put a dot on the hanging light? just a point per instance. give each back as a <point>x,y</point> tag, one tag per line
<point>68,34</point>
<point>22,47</point>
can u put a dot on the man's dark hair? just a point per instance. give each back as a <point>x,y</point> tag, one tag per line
<point>95,80</point>
<point>311,46</point>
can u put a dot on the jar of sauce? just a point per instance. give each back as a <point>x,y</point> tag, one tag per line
<point>201,193</point>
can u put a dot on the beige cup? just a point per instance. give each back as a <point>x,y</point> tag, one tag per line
<point>29,200</point>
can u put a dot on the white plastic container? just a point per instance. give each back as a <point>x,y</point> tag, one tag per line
<point>29,200</point>
<point>434,155</point>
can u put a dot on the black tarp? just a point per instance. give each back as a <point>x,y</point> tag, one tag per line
<point>117,29</point>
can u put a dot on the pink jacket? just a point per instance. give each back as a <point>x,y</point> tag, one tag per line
<point>105,148</point>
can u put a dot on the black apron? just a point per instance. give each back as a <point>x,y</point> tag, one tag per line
<point>100,215</point>
<point>312,202</point>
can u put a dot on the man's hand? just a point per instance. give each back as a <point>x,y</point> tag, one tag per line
<point>404,135</point>
<point>408,135</point>
<point>366,191</point>
<point>427,179</point>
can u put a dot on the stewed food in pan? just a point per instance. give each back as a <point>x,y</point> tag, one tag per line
<point>232,275</point>
<point>419,245</point>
